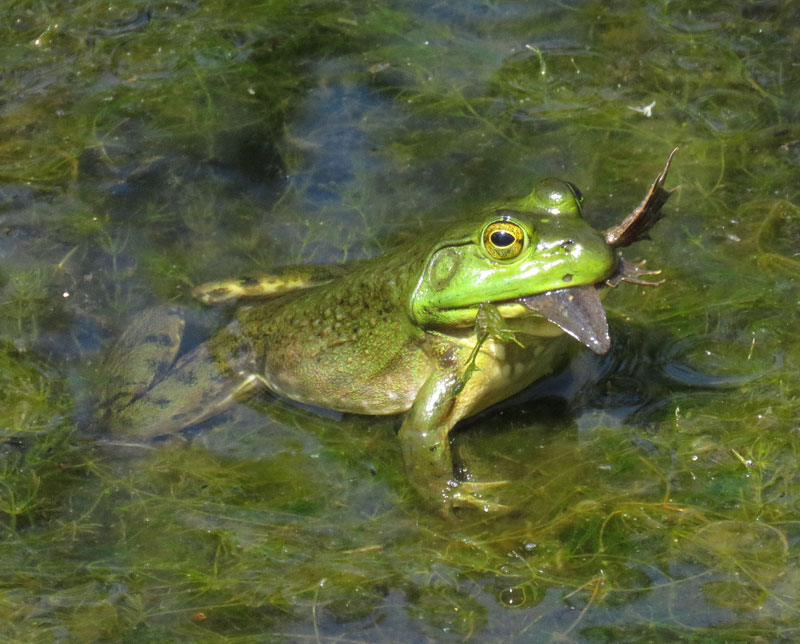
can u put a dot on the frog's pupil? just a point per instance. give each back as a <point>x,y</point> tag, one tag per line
<point>502,238</point>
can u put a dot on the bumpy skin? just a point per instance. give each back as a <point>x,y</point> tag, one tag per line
<point>404,332</point>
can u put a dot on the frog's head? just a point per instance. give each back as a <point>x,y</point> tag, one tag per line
<point>527,257</point>
<point>535,257</point>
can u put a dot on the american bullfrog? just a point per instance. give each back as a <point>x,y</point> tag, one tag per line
<point>455,320</point>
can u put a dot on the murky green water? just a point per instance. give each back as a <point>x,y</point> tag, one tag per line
<point>147,148</point>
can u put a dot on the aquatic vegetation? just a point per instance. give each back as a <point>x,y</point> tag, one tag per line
<point>653,493</point>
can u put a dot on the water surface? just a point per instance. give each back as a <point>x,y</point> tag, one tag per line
<point>147,148</point>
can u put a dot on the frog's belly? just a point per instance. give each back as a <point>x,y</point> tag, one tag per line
<point>504,369</point>
<point>335,380</point>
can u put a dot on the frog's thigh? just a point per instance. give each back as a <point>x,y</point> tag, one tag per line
<point>239,392</point>
<point>193,392</point>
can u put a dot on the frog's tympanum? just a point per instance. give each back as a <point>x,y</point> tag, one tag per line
<point>456,319</point>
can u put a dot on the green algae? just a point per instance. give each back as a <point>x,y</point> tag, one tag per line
<point>143,150</point>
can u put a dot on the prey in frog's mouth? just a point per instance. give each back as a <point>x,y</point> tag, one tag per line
<point>577,310</point>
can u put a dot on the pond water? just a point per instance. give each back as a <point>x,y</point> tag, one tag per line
<point>653,493</point>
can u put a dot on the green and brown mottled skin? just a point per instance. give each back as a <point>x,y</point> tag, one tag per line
<point>432,329</point>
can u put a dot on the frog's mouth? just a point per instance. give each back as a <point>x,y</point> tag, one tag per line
<point>577,310</point>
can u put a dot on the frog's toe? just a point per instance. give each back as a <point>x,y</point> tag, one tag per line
<point>461,500</point>
<point>476,487</point>
<point>468,494</point>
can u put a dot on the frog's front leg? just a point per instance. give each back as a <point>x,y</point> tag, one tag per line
<point>424,438</point>
<point>488,324</point>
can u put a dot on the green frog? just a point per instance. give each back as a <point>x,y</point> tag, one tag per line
<point>455,320</point>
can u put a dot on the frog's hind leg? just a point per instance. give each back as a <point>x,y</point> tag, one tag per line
<point>280,281</point>
<point>195,390</point>
<point>141,355</point>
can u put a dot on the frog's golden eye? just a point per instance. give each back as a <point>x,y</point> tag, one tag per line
<point>503,239</point>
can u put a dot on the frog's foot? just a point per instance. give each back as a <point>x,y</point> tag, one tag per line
<point>468,494</point>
